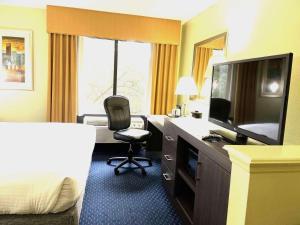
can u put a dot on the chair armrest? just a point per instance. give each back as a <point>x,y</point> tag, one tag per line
<point>144,118</point>
<point>81,119</point>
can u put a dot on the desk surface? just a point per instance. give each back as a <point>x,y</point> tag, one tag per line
<point>196,127</point>
<point>157,121</point>
<point>250,153</point>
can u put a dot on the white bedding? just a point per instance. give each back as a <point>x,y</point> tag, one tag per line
<point>268,129</point>
<point>43,166</point>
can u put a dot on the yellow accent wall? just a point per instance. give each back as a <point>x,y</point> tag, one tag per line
<point>254,28</point>
<point>23,105</point>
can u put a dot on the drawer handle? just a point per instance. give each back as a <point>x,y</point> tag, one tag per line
<point>169,138</point>
<point>167,176</point>
<point>168,157</point>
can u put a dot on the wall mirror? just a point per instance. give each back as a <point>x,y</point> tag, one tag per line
<point>207,53</point>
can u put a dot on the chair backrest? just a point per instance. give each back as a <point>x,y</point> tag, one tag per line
<point>118,112</point>
<point>220,109</point>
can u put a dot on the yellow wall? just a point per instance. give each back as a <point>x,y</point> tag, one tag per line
<point>255,28</point>
<point>22,105</point>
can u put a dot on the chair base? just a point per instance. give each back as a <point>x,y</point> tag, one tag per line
<point>130,159</point>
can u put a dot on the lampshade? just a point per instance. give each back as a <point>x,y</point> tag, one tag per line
<point>186,86</point>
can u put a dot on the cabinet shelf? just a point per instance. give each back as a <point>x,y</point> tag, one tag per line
<point>185,195</point>
<point>187,179</point>
<point>185,204</point>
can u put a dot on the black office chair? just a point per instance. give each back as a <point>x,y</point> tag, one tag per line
<point>220,109</point>
<point>118,113</point>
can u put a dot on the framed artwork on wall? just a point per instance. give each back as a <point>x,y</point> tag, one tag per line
<point>16,59</point>
<point>272,78</point>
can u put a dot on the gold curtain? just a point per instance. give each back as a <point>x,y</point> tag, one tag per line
<point>84,22</point>
<point>202,56</point>
<point>62,82</point>
<point>245,94</point>
<point>164,62</point>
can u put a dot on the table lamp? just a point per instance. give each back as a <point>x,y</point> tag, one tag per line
<point>186,87</point>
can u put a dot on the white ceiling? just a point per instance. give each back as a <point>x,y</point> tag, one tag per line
<point>171,9</point>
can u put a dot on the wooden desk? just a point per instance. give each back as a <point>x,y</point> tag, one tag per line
<point>258,177</point>
<point>201,199</point>
<point>156,127</point>
<point>157,121</point>
<point>201,194</point>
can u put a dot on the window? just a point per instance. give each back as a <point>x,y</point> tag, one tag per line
<point>133,75</point>
<point>107,67</point>
<point>95,74</point>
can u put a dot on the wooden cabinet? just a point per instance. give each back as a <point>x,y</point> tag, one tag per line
<point>154,144</point>
<point>212,190</point>
<point>199,191</point>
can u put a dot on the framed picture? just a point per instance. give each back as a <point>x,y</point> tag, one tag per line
<point>16,59</point>
<point>272,78</point>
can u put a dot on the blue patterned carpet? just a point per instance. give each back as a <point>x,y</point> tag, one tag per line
<point>127,199</point>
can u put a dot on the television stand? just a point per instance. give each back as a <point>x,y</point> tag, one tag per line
<point>241,139</point>
<point>212,138</point>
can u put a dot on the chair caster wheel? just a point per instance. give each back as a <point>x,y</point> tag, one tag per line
<point>144,172</point>
<point>108,162</point>
<point>116,172</point>
<point>150,163</point>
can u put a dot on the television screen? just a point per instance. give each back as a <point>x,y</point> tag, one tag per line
<point>250,96</point>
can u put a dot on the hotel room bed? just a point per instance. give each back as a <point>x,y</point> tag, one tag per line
<point>270,130</point>
<point>43,172</point>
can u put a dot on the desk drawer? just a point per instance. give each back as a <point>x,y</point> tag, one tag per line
<point>169,147</point>
<point>169,144</point>
<point>170,131</point>
<point>169,154</point>
<point>169,139</point>
<point>168,179</point>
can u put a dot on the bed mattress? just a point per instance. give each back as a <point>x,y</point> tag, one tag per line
<point>43,166</point>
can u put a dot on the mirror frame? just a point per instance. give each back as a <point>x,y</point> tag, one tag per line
<point>207,41</point>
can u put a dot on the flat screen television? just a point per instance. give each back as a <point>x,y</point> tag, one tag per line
<point>250,97</point>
